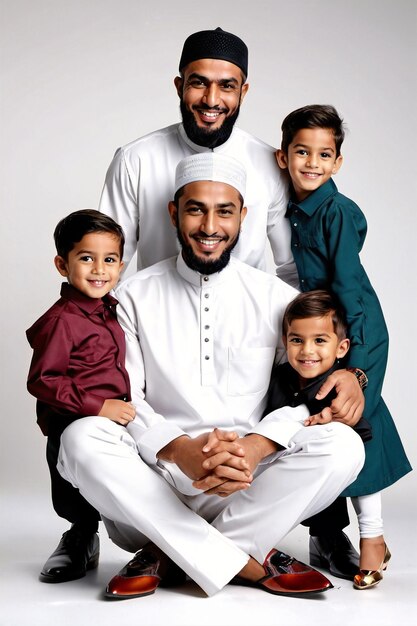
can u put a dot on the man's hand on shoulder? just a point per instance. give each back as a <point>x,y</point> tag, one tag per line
<point>349,403</point>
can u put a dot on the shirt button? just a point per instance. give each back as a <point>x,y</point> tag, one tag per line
<point>207,357</point>
<point>206,309</point>
<point>206,339</point>
<point>206,278</point>
<point>206,295</point>
<point>296,245</point>
<point>206,327</point>
<point>295,224</point>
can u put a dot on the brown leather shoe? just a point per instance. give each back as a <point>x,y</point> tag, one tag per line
<point>138,578</point>
<point>148,569</point>
<point>287,576</point>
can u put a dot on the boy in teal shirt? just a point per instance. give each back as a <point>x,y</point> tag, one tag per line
<point>328,232</point>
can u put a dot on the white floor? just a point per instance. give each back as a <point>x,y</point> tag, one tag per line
<point>25,601</point>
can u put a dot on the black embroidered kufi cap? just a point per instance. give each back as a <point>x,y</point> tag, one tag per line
<point>215,44</point>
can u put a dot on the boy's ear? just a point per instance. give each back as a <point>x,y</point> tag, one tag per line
<point>281,158</point>
<point>343,348</point>
<point>61,265</point>
<point>337,164</point>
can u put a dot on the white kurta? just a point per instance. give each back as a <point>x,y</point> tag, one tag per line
<point>199,351</point>
<point>207,345</point>
<point>140,183</point>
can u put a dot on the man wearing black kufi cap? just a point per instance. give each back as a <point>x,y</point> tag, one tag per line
<point>211,86</point>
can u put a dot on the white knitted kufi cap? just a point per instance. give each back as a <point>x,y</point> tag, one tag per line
<point>211,166</point>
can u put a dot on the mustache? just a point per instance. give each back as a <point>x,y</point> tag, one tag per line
<point>201,233</point>
<point>206,107</point>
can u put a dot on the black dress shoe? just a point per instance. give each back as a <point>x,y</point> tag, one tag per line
<point>335,553</point>
<point>77,552</point>
<point>285,576</point>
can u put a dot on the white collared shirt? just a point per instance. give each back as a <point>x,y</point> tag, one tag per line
<point>140,183</point>
<point>200,349</point>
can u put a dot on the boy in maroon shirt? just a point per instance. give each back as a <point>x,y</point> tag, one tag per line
<point>77,370</point>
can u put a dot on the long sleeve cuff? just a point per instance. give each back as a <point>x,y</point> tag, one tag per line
<point>151,440</point>
<point>282,424</point>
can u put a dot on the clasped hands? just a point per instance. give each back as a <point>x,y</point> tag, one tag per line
<point>219,462</point>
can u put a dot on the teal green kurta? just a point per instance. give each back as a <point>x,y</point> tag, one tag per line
<point>328,232</point>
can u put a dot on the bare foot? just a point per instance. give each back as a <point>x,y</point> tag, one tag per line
<point>372,553</point>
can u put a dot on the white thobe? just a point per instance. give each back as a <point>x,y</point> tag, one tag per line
<point>140,183</point>
<point>199,352</point>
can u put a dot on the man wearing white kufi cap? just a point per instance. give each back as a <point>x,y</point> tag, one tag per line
<point>197,473</point>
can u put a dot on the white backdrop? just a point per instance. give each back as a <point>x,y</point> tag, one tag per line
<point>81,77</point>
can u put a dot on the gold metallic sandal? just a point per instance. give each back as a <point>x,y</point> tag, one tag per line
<point>366,579</point>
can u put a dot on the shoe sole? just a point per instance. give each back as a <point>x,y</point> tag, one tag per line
<point>114,596</point>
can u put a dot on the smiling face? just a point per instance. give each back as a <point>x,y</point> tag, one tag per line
<point>93,265</point>
<point>313,346</point>
<point>208,219</point>
<point>211,91</point>
<point>311,160</point>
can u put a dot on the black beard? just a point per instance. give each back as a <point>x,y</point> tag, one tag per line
<point>205,136</point>
<point>203,266</point>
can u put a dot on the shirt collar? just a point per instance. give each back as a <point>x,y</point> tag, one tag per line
<point>203,280</point>
<point>315,199</point>
<point>85,303</point>
<point>196,147</point>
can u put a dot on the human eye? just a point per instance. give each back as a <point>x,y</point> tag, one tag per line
<point>110,259</point>
<point>301,152</point>
<point>86,258</point>
<point>295,340</point>
<point>196,82</point>
<point>325,155</point>
<point>320,340</point>
<point>228,86</point>
<point>194,210</point>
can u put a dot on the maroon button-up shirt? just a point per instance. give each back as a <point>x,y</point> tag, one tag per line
<point>78,358</point>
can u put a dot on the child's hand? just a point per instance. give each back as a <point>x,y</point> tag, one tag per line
<point>324,417</point>
<point>118,411</point>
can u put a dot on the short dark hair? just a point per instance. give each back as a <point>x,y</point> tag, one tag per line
<point>71,229</point>
<point>313,116</point>
<point>316,303</point>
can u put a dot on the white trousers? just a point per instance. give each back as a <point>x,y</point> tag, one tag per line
<point>209,537</point>
<point>368,509</point>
